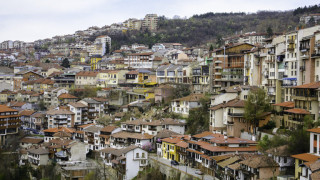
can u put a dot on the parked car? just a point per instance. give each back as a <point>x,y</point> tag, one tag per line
<point>199,172</point>
<point>175,163</point>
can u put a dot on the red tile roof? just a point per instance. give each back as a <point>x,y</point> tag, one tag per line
<point>306,157</point>
<point>289,104</point>
<point>297,111</point>
<point>67,96</point>
<point>313,85</point>
<point>65,129</point>
<point>315,130</point>
<point>87,73</point>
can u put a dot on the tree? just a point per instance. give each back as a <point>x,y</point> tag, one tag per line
<point>105,120</point>
<point>255,106</point>
<point>269,31</point>
<point>211,48</point>
<point>65,63</point>
<point>47,61</point>
<point>107,48</point>
<point>198,119</point>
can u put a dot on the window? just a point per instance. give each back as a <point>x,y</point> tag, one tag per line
<point>317,63</point>
<point>143,155</point>
<point>143,161</point>
<point>245,96</point>
<point>137,155</point>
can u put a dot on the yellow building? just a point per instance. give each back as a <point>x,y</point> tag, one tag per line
<point>169,148</point>
<point>94,61</point>
<point>149,94</point>
<point>110,78</point>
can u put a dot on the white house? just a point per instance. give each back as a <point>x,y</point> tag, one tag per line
<point>127,161</point>
<point>38,156</point>
<point>183,105</point>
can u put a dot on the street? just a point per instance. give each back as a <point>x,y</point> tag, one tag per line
<point>183,168</point>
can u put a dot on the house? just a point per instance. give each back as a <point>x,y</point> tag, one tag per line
<point>281,156</point>
<point>60,118</point>
<point>66,98</point>
<point>95,108</point>
<point>183,105</point>
<point>38,121</point>
<point>163,93</point>
<point>140,60</point>
<point>259,167</point>
<point>127,161</point>
<point>11,121</point>
<point>105,135</point>
<point>110,78</point>
<point>74,151</point>
<point>26,119</point>
<point>169,148</point>
<point>80,111</point>
<point>51,133</point>
<point>19,105</point>
<point>92,136</point>
<point>38,156</point>
<point>162,135</point>
<point>306,159</point>
<point>305,99</point>
<point>124,139</point>
<point>28,142</point>
<point>86,78</point>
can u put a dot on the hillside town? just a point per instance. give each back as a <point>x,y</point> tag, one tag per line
<point>246,110</point>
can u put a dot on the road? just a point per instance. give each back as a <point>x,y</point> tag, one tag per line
<point>182,168</point>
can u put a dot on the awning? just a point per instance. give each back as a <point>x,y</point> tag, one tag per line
<point>290,79</point>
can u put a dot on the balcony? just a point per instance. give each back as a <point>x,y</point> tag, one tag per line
<point>302,68</point>
<point>315,55</point>
<point>304,48</point>
<point>217,67</point>
<point>235,114</point>
<point>305,56</point>
<point>218,61</point>
<point>290,41</point>
<point>217,73</point>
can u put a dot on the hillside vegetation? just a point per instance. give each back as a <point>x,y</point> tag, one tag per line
<point>209,28</point>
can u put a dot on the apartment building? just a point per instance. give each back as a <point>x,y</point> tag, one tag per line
<point>150,22</point>
<point>86,78</point>
<point>140,60</point>
<point>60,118</point>
<point>80,111</point>
<point>9,122</point>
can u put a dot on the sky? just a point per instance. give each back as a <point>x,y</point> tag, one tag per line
<point>30,20</point>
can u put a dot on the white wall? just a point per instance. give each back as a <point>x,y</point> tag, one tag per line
<point>133,164</point>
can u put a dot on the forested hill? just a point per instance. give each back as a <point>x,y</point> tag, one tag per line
<point>208,28</point>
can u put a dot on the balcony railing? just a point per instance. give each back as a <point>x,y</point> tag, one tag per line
<point>235,114</point>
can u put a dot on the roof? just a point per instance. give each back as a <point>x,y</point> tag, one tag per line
<point>172,140</point>
<point>4,108</point>
<point>191,98</point>
<point>165,133</point>
<point>229,161</point>
<point>315,130</point>
<point>86,125</point>
<point>54,130</point>
<point>234,166</point>
<point>17,104</point>
<point>182,144</point>
<point>26,112</point>
<point>288,104</point>
<point>306,157</point>
<point>60,111</point>
<point>62,134</point>
<point>259,162</point>
<point>141,54</point>
<point>297,111</point>
<point>78,104</point>
<point>313,85</point>
<point>67,96</point>
<point>87,73</point>
<point>126,135</point>
<point>230,149</point>
<point>93,128</point>
<point>31,140</point>
<point>109,128</point>
<point>39,150</point>
<point>203,134</point>
<point>279,151</point>
<point>221,157</point>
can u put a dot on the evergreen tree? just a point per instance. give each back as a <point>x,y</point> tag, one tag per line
<point>107,48</point>
<point>65,63</point>
<point>270,31</point>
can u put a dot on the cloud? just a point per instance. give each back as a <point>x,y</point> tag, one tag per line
<point>29,20</point>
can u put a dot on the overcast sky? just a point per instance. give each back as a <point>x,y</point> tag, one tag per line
<point>29,20</point>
